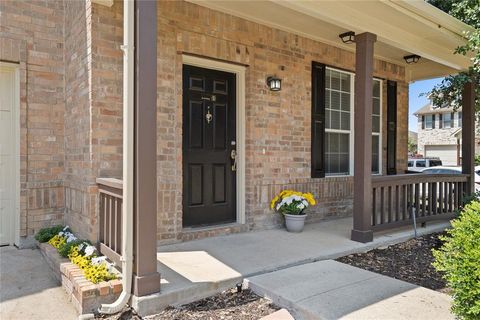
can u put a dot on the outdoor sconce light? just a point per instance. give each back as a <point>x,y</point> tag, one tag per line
<point>348,37</point>
<point>413,58</point>
<point>274,83</point>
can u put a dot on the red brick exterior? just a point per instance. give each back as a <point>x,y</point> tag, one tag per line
<point>71,133</point>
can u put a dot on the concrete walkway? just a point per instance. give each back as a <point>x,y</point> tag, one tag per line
<point>330,290</point>
<point>28,289</point>
<point>197,269</point>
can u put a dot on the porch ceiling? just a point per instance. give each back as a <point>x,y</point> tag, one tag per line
<point>402,28</point>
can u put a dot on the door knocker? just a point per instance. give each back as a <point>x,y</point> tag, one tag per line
<point>208,116</point>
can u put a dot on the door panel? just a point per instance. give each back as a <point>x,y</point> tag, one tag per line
<point>8,174</point>
<point>209,131</point>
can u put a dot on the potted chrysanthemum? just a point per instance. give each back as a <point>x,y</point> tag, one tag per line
<point>292,204</point>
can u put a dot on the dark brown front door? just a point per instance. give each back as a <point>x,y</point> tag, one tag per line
<point>209,147</point>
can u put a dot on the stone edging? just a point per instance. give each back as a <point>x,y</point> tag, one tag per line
<point>85,295</point>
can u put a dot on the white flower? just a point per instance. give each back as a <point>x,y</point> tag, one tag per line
<point>71,238</point>
<point>80,246</point>
<point>89,250</point>
<point>301,206</point>
<point>60,233</point>
<point>66,228</point>
<point>98,260</point>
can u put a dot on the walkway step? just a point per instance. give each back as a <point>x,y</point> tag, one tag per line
<point>281,314</point>
<point>333,290</point>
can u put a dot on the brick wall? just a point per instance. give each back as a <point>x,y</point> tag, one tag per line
<point>31,34</point>
<point>70,56</point>
<point>277,143</point>
<point>93,121</point>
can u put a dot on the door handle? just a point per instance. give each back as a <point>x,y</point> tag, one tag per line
<point>233,156</point>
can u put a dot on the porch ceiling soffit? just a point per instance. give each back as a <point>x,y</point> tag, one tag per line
<point>402,28</point>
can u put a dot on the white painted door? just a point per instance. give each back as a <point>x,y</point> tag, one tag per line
<point>8,152</point>
<point>446,153</point>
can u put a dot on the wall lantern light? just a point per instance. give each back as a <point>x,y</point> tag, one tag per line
<point>348,37</point>
<point>274,83</point>
<point>413,58</point>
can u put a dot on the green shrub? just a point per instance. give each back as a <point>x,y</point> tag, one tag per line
<point>64,250</point>
<point>459,260</point>
<point>45,234</point>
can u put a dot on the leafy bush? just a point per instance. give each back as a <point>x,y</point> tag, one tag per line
<point>459,260</point>
<point>65,249</point>
<point>45,234</point>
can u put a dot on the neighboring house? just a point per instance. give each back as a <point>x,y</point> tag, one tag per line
<point>215,140</point>
<point>439,133</point>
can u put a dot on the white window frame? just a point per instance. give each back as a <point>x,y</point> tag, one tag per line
<point>351,132</point>
<point>379,133</point>
<point>451,124</point>
<point>431,121</point>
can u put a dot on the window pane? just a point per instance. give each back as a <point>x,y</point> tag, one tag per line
<point>376,106</point>
<point>376,88</point>
<point>375,123</point>
<point>337,153</point>
<point>345,82</point>
<point>335,80</point>
<point>345,121</point>
<point>375,154</point>
<point>345,101</point>
<point>335,102</point>
<point>335,119</point>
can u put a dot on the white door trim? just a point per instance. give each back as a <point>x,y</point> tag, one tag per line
<point>14,67</point>
<point>239,72</point>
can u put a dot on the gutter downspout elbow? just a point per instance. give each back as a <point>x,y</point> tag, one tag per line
<point>128,158</point>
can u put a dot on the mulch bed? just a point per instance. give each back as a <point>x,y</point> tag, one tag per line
<point>227,305</point>
<point>409,261</point>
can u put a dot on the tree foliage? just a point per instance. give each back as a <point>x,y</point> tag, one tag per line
<point>449,92</point>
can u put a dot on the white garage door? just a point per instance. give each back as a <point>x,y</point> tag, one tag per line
<point>9,167</point>
<point>446,153</point>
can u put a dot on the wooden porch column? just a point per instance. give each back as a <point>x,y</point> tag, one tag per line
<point>468,135</point>
<point>362,180</point>
<point>146,278</point>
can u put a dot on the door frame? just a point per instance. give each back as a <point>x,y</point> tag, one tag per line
<point>239,71</point>
<point>15,68</point>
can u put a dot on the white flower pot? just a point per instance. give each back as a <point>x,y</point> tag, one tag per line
<point>294,223</point>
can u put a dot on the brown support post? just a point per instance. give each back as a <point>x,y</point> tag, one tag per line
<point>146,278</point>
<point>362,180</point>
<point>468,135</point>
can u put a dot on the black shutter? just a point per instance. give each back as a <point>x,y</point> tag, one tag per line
<point>433,121</point>
<point>318,120</point>
<point>423,122</point>
<point>440,119</point>
<point>392,127</point>
<point>452,122</point>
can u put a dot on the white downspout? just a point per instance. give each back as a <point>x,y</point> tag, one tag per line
<point>128,152</point>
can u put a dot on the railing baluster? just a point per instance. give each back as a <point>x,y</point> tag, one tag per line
<point>382,205</point>
<point>374,206</point>
<point>424,197</point>
<point>417,200</point>
<point>389,195</point>
<point>407,203</point>
<point>397,202</point>
<point>434,198</point>
<point>440,197</point>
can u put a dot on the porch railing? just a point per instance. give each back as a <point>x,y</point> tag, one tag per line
<point>397,198</point>
<point>110,218</point>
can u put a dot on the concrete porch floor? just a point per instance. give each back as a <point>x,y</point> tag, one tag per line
<point>197,269</point>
